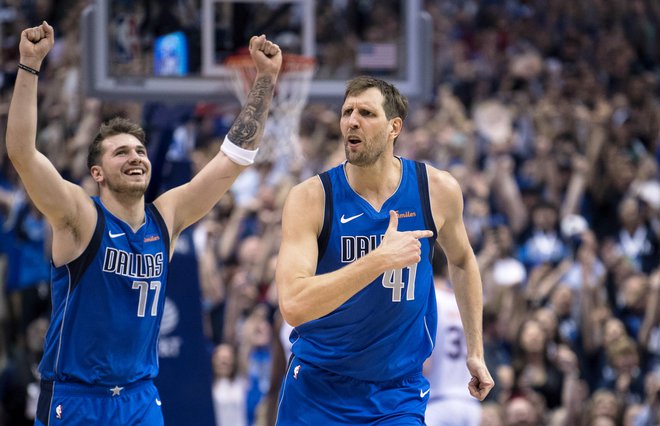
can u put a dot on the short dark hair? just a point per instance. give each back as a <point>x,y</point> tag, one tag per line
<point>395,104</point>
<point>544,203</point>
<point>115,126</point>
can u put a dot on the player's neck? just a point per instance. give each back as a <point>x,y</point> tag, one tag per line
<point>129,209</point>
<point>376,182</point>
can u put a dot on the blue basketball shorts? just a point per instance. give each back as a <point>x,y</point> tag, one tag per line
<point>72,404</point>
<point>313,396</point>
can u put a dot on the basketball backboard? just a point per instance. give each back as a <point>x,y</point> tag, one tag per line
<point>175,51</point>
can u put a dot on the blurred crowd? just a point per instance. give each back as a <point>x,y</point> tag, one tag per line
<point>548,115</point>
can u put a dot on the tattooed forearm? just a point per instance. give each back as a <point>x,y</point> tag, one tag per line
<point>249,126</point>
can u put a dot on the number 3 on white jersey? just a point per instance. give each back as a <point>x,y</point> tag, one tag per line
<point>394,279</point>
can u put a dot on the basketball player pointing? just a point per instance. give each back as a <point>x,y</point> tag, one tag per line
<point>110,253</point>
<point>354,275</point>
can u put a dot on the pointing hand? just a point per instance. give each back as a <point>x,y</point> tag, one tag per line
<point>401,249</point>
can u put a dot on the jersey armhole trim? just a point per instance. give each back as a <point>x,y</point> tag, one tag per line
<point>425,199</point>
<point>163,227</point>
<point>78,266</point>
<point>324,236</point>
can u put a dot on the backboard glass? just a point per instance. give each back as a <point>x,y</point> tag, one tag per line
<point>127,44</point>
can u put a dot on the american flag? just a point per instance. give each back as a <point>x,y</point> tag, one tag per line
<point>379,56</point>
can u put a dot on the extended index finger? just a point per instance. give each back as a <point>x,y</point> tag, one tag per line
<point>422,234</point>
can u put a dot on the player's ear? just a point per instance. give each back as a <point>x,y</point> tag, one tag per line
<point>97,174</point>
<point>396,124</point>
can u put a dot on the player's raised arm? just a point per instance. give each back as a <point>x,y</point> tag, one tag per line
<point>186,204</point>
<point>59,200</point>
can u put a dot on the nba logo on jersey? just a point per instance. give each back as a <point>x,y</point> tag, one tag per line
<point>296,371</point>
<point>58,411</point>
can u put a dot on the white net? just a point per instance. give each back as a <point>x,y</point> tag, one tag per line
<point>281,142</point>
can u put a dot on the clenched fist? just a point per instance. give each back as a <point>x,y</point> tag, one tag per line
<point>35,44</point>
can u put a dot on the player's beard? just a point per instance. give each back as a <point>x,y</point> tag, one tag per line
<point>132,189</point>
<point>371,150</point>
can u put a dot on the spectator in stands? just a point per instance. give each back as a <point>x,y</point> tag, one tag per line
<point>229,387</point>
<point>543,243</point>
<point>603,403</point>
<point>649,412</point>
<point>636,240</point>
<point>521,411</point>
<point>534,370</point>
<point>623,373</point>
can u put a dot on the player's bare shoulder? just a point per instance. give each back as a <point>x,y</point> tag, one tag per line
<point>443,185</point>
<point>305,204</point>
<point>308,192</point>
<point>446,195</point>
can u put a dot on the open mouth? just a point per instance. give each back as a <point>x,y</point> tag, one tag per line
<point>134,172</point>
<point>353,140</point>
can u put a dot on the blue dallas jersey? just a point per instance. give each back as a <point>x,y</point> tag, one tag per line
<point>108,303</point>
<point>388,329</point>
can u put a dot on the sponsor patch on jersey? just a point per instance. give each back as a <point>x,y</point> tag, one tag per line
<point>406,214</point>
<point>151,238</point>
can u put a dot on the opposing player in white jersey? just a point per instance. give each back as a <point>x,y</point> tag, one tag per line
<point>450,403</point>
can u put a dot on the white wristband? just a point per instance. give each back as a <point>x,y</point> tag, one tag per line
<point>238,155</point>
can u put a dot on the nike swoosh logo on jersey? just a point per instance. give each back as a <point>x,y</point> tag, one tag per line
<point>116,235</point>
<point>348,219</point>
<point>158,403</point>
<point>422,393</point>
